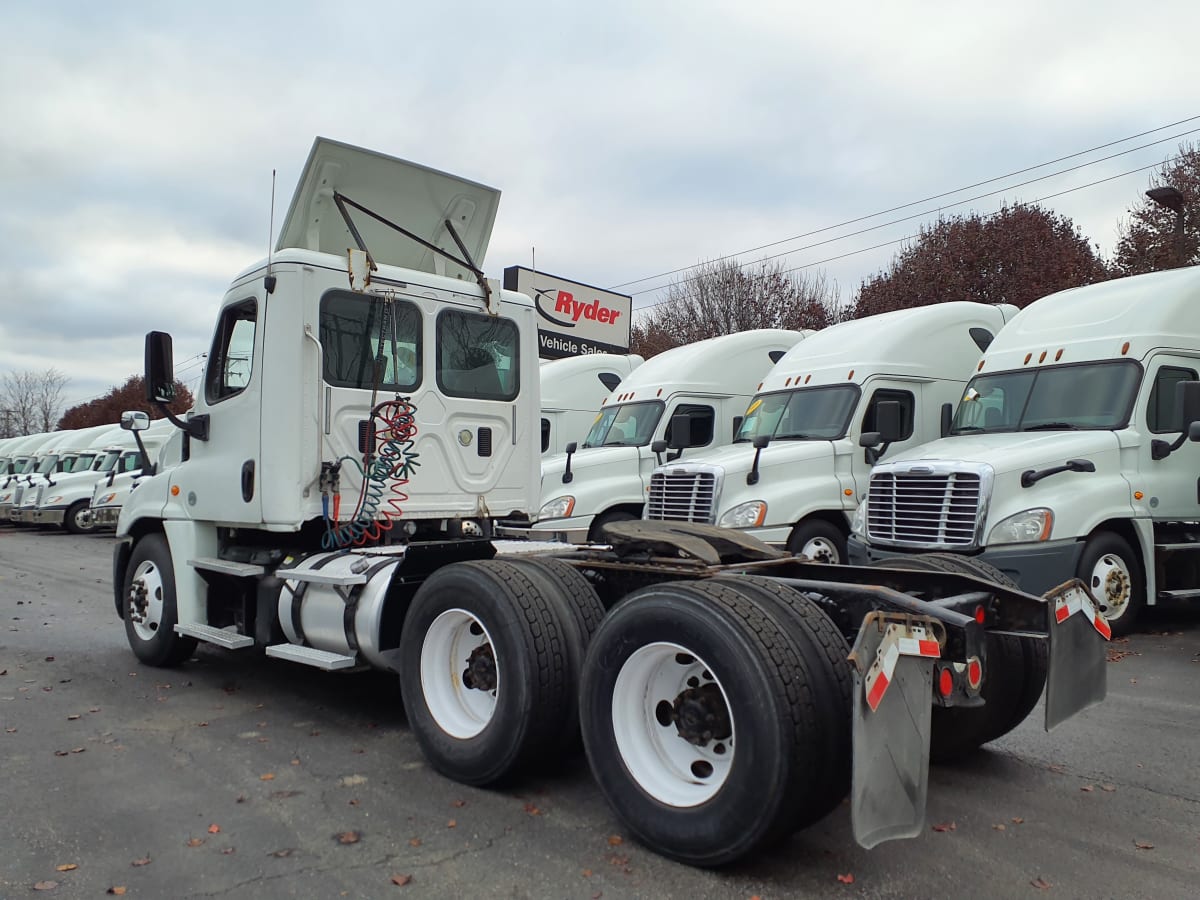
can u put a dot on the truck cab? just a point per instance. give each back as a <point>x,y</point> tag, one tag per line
<point>1068,454</point>
<point>679,402</point>
<point>111,491</point>
<point>573,389</point>
<point>810,436</point>
<point>23,464</point>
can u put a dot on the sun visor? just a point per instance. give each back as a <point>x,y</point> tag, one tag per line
<point>414,197</point>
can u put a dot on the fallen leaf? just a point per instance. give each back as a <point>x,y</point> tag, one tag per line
<point>615,840</point>
<point>1040,883</point>
<point>60,753</point>
<point>1017,820</point>
<point>532,810</point>
<point>201,724</point>
<point>195,842</point>
<point>458,804</point>
<point>10,731</point>
<point>241,798</point>
<point>117,890</point>
<point>945,826</point>
<point>72,718</point>
<point>587,873</point>
<point>214,829</point>
<point>283,795</point>
<point>228,850</point>
<point>283,853</point>
<point>353,802</point>
<point>453,823</point>
<point>848,878</point>
<point>401,880</point>
<point>414,842</point>
<point>66,867</point>
<point>45,885</point>
<point>144,861</point>
<point>348,837</point>
<point>78,749</point>
<point>1108,788</point>
<point>999,827</point>
<point>94,709</point>
<point>270,776</point>
<point>295,762</point>
<point>1088,788</point>
<point>49,659</point>
<point>1143,845</point>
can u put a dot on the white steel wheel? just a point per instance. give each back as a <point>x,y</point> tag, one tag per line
<point>146,590</point>
<point>672,724</point>
<point>821,549</point>
<point>819,541</point>
<point>1111,584</point>
<point>460,675</point>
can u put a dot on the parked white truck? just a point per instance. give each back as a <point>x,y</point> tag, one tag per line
<point>705,671</point>
<point>1068,455</point>
<point>72,453</point>
<point>23,464</point>
<point>572,390</point>
<point>837,402</point>
<point>111,491</point>
<point>685,399</point>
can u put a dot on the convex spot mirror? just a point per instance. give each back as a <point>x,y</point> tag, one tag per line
<point>135,420</point>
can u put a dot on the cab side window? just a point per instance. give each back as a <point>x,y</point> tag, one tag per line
<point>545,435</point>
<point>907,407</point>
<point>478,356</point>
<point>231,360</point>
<point>1163,413</point>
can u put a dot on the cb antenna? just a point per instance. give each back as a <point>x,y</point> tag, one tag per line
<point>269,281</point>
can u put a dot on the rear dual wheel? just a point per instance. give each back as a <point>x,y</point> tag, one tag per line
<point>705,720</point>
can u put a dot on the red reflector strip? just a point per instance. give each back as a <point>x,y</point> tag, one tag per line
<point>1061,612</point>
<point>1102,626</point>
<point>876,691</point>
<point>930,648</point>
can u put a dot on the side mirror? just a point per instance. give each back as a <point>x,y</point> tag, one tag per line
<point>135,420</point>
<point>681,431</point>
<point>160,368</point>
<point>947,418</point>
<point>568,476</point>
<point>870,439</point>
<point>1194,431</point>
<point>1187,398</point>
<point>888,421</point>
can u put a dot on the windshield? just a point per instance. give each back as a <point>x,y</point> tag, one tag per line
<point>808,414</point>
<point>67,462</point>
<point>130,461</point>
<point>108,461</point>
<point>83,462</point>
<point>49,464</point>
<point>1060,398</point>
<point>627,425</point>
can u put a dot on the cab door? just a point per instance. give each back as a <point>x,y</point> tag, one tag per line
<point>1169,485</point>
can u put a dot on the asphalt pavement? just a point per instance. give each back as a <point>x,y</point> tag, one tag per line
<point>241,776</point>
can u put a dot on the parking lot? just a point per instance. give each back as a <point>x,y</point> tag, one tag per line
<point>237,775</point>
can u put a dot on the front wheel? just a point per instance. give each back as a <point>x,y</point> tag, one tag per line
<point>820,541</point>
<point>150,605</point>
<point>78,518</point>
<point>1110,571</point>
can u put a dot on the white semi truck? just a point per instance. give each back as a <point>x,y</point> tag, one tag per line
<point>827,411</point>
<point>706,672</point>
<point>1068,455</point>
<point>685,399</point>
<point>23,464</point>
<point>60,462</point>
<point>111,491</point>
<point>573,389</point>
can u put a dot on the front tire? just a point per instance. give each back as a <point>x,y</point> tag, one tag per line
<point>820,541</point>
<point>1110,571</point>
<point>78,518</point>
<point>151,612</point>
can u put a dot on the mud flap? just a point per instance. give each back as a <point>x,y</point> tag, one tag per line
<point>1077,673</point>
<point>893,689</point>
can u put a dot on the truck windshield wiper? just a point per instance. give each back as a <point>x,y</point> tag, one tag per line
<point>801,436</point>
<point>964,429</point>
<point>1052,426</point>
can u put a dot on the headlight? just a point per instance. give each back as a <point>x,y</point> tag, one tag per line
<point>1025,527</point>
<point>107,498</point>
<point>745,515</point>
<point>52,500</point>
<point>858,522</point>
<point>558,508</point>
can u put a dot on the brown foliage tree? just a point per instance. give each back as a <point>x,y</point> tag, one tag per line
<point>107,410</point>
<point>723,297</point>
<point>1013,256</point>
<point>1147,242</point>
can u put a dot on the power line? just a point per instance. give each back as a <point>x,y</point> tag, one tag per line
<point>908,237</point>
<point>937,197</point>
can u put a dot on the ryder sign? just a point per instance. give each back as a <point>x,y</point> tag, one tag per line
<point>573,318</point>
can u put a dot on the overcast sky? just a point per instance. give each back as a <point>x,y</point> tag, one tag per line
<point>630,139</point>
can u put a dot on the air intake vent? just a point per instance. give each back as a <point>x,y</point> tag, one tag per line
<point>682,496</point>
<point>484,441</point>
<point>932,510</point>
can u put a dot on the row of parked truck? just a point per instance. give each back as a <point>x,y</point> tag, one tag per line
<point>372,417</point>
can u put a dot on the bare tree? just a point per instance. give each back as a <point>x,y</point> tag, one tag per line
<point>723,297</point>
<point>1148,241</point>
<point>30,401</point>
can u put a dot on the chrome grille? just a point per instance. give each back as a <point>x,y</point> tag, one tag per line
<point>924,509</point>
<point>682,496</point>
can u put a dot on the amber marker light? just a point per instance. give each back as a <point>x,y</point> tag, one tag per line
<point>1028,357</point>
<point>1125,348</point>
<point>1058,355</point>
<point>850,377</point>
<point>1138,495</point>
<point>1042,358</point>
<point>848,492</point>
<point>174,490</point>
